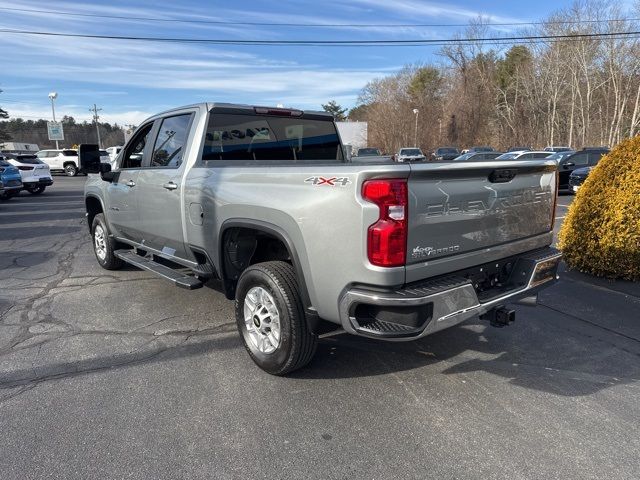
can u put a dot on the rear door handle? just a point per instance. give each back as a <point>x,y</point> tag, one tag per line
<point>170,186</point>
<point>130,183</point>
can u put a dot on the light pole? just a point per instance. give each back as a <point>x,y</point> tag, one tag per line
<point>52,97</point>
<point>415,131</point>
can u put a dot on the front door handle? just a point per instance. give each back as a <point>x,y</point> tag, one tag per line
<point>130,183</point>
<point>170,186</point>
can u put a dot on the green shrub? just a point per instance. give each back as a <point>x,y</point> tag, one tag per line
<point>601,233</point>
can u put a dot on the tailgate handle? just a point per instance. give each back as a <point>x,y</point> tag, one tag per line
<point>502,175</point>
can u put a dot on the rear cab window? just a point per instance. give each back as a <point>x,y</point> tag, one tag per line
<point>69,153</point>
<point>242,138</point>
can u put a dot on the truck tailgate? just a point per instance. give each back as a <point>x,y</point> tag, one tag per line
<point>458,208</point>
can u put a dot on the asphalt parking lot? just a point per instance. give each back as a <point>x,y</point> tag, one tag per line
<point>121,375</point>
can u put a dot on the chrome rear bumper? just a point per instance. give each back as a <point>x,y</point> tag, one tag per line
<point>443,302</point>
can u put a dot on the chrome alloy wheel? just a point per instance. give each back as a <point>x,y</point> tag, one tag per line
<point>262,320</point>
<point>99,242</point>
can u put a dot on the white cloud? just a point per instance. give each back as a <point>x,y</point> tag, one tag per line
<point>430,10</point>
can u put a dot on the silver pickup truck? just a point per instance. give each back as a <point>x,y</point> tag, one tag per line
<point>305,242</point>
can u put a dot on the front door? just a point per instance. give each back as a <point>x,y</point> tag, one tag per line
<point>160,188</point>
<point>122,193</point>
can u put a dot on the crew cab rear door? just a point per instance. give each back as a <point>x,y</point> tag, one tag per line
<point>460,208</point>
<point>160,186</point>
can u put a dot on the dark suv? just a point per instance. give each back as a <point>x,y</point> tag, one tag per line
<point>587,157</point>
<point>444,154</point>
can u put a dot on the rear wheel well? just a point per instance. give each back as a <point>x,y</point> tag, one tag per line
<point>94,207</point>
<point>70,162</point>
<point>242,247</point>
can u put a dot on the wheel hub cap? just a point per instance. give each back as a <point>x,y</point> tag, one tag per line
<point>99,242</point>
<point>262,320</point>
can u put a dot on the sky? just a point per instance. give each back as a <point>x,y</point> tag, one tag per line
<point>132,80</point>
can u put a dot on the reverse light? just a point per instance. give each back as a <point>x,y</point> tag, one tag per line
<point>387,238</point>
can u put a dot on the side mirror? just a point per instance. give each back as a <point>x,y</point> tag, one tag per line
<point>105,172</point>
<point>89,158</point>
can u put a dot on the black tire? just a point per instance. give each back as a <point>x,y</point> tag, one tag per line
<point>110,261</point>
<point>5,196</point>
<point>297,344</point>
<point>70,170</point>
<point>36,189</point>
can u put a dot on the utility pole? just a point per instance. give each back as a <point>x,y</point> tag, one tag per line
<point>95,111</point>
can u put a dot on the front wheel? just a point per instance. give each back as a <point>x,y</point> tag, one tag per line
<point>271,319</point>
<point>103,244</point>
<point>71,170</point>
<point>35,189</point>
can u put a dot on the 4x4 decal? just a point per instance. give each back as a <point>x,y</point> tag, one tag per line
<point>330,182</point>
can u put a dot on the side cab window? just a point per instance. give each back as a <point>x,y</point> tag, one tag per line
<point>578,160</point>
<point>134,153</point>
<point>595,157</point>
<point>170,144</point>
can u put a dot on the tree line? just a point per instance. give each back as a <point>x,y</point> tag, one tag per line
<point>577,91</point>
<point>35,131</point>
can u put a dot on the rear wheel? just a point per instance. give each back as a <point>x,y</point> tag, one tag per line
<point>103,244</point>
<point>5,196</point>
<point>35,189</point>
<point>271,320</point>
<point>71,170</point>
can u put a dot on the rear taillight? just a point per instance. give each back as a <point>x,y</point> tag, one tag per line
<point>24,168</point>
<point>387,238</point>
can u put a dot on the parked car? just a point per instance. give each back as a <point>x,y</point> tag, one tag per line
<point>587,157</point>
<point>409,155</point>
<point>65,160</point>
<point>35,174</point>
<point>368,152</point>
<point>263,199</point>
<point>113,152</point>
<point>519,149</point>
<point>560,155</point>
<point>577,178</point>
<point>557,149</point>
<point>477,156</point>
<point>10,180</point>
<point>524,155</point>
<point>481,149</point>
<point>444,154</point>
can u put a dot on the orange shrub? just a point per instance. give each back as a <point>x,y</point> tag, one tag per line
<point>601,233</point>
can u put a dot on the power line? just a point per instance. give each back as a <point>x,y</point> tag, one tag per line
<point>341,43</point>
<point>314,25</point>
